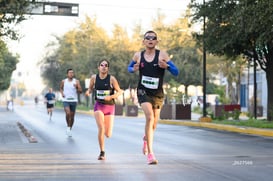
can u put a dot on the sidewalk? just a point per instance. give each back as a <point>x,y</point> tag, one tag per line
<point>9,131</point>
<point>12,130</point>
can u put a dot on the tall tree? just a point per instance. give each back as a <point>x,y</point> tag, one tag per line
<point>7,66</point>
<point>178,41</point>
<point>120,54</point>
<point>237,27</point>
<point>84,46</point>
<point>80,48</point>
<point>12,12</point>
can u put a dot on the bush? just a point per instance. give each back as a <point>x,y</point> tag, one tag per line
<point>236,114</point>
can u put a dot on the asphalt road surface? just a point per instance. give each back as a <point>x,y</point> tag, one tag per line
<point>184,153</point>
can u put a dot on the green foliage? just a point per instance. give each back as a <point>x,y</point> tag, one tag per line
<point>197,109</point>
<point>177,40</point>
<point>220,91</point>
<point>235,114</point>
<point>80,106</point>
<point>188,60</point>
<point>237,27</point>
<point>12,12</point>
<point>210,113</point>
<point>7,66</point>
<point>256,123</point>
<point>82,48</point>
<point>211,87</point>
<point>226,115</point>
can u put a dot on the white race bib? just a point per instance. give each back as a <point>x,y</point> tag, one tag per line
<point>100,94</point>
<point>150,82</point>
<point>51,102</point>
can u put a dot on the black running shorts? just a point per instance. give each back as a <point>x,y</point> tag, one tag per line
<point>156,102</point>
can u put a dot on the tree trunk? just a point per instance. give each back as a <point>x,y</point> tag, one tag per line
<point>269,77</point>
<point>186,90</point>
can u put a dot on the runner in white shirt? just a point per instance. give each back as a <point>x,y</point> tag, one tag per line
<point>70,88</point>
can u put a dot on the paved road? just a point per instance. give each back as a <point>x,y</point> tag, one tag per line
<point>184,153</point>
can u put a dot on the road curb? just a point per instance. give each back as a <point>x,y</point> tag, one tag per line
<point>31,139</point>
<point>231,128</point>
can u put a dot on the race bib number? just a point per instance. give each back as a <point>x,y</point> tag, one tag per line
<point>70,98</point>
<point>102,93</point>
<point>150,82</point>
<point>51,102</point>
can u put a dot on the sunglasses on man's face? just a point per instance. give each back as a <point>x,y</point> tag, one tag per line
<point>150,38</point>
<point>104,65</point>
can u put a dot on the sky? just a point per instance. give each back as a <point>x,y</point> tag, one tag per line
<point>37,31</point>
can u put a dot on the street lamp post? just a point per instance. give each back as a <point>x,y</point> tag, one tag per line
<point>204,67</point>
<point>204,118</point>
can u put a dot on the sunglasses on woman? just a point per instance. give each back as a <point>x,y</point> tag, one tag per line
<point>150,38</point>
<point>104,65</point>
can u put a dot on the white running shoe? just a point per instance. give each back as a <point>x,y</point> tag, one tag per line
<point>68,132</point>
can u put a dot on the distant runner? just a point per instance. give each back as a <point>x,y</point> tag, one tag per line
<point>50,101</point>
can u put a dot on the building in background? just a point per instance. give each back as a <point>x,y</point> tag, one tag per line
<point>247,91</point>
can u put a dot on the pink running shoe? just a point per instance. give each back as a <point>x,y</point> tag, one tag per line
<point>151,159</point>
<point>144,148</point>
